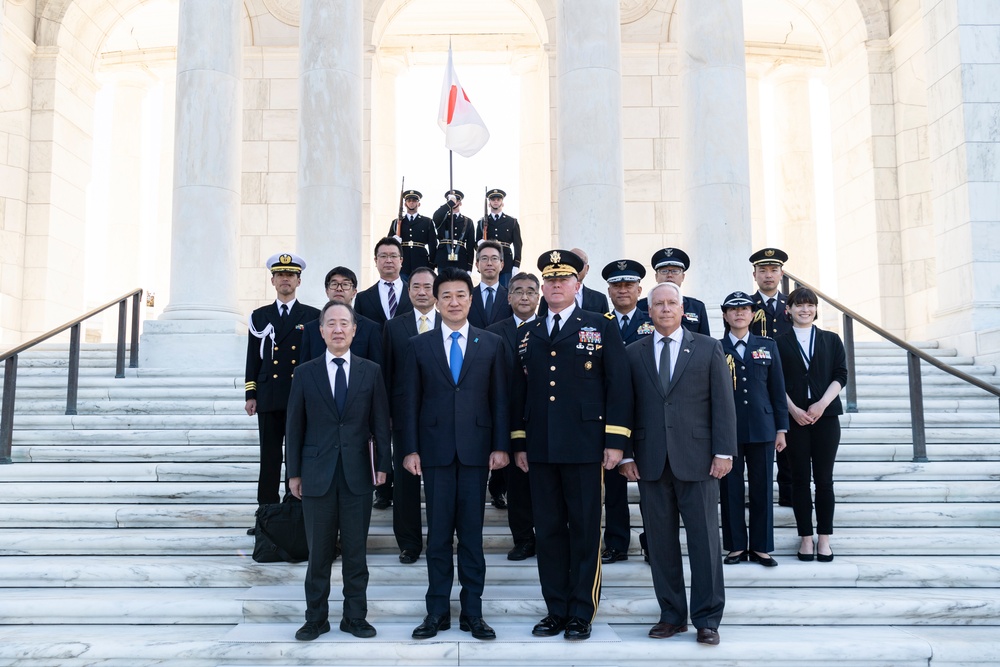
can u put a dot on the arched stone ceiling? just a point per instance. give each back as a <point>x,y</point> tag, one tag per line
<point>399,18</point>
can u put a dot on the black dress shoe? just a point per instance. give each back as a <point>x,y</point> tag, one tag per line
<point>708,636</point>
<point>824,558</point>
<point>408,556</point>
<point>358,627</point>
<point>666,630</point>
<point>805,557</point>
<point>550,626</point>
<point>477,626</point>
<point>312,630</point>
<point>766,562</point>
<point>522,551</point>
<point>431,626</point>
<point>577,629</point>
<point>381,503</point>
<point>612,555</point>
<point>734,558</point>
<point>252,531</point>
<point>499,501</point>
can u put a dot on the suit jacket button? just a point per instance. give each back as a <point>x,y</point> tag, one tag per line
<point>293,347</point>
<point>553,353</point>
<point>552,398</point>
<point>744,402</point>
<point>293,361</point>
<point>275,362</point>
<point>275,375</point>
<point>275,347</point>
<point>552,383</point>
<point>552,368</point>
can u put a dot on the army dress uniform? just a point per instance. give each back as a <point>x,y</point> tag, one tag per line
<point>506,231</point>
<point>455,234</point>
<point>571,399</point>
<point>272,354</point>
<point>418,237</point>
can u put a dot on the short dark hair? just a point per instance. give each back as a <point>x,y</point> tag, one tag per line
<point>525,277</point>
<point>452,274</point>
<point>331,304</point>
<point>802,295</point>
<point>489,244</point>
<point>423,269</point>
<point>388,240</point>
<point>341,271</point>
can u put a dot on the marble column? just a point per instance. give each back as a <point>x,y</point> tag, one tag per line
<point>199,325</point>
<point>715,163</point>
<point>535,188</point>
<point>589,129</point>
<point>758,191</point>
<point>384,179</point>
<point>795,183</point>
<point>328,215</point>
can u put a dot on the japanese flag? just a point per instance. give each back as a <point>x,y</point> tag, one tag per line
<point>464,131</point>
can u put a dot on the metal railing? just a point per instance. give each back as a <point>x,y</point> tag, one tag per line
<point>913,358</point>
<point>72,384</point>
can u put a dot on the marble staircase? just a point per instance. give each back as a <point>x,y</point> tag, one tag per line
<point>123,543</point>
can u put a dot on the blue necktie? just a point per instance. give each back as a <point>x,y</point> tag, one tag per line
<point>456,356</point>
<point>340,386</point>
<point>489,303</point>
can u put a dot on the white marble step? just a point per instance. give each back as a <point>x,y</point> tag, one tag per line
<point>273,645</point>
<point>501,603</point>
<point>850,541</point>
<point>238,571</point>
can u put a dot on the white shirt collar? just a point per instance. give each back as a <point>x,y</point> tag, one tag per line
<point>290,304</point>
<point>677,335</point>
<point>346,358</point>
<point>733,339</point>
<point>630,315</point>
<point>564,315</point>
<point>518,321</point>
<point>431,316</point>
<point>446,332</point>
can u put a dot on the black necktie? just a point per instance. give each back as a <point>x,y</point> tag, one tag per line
<point>340,386</point>
<point>770,306</point>
<point>665,365</point>
<point>392,299</point>
<point>284,310</point>
<point>555,326</point>
<point>624,324</point>
<point>489,303</point>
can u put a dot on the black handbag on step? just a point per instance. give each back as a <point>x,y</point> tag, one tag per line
<point>280,533</point>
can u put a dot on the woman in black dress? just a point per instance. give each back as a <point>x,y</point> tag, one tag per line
<point>815,368</point>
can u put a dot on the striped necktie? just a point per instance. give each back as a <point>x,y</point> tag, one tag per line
<point>392,299</point>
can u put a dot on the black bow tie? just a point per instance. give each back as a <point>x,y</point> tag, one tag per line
<point>740,343</point>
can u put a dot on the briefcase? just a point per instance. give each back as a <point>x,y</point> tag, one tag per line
<point>280,534</point>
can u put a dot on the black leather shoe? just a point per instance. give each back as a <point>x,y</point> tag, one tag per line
<point>381,503</point>
<point>708,636</point>
<point>664,630</point>
<point>824,558</point>
<point>733,558</point>
<point>805,557</point>
<point>408,556</point>
<point>477,626</point>
<point>312,630</point>
<point>252,531</point>
<point>612,555</point>
<point>499,501</point>
<point>550,626</point>
<point>358,627</point>
<point>577,629</point>
<point>431,626</point>
<point>766,562</point>
<point>522,551</point>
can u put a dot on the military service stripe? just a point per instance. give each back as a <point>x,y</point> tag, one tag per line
<point>618,430</point>
<point>514,435</point>
<point>251,386</point>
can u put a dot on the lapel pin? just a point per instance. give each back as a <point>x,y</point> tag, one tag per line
<point>475,340</point>
<point>686,350</point>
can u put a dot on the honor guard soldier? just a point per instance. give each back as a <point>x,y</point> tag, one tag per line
<point>770,319</point>
<point>571,418</point>
<point>415,233</point>
<point>272,354</point>
<point>456,235</point>
<point>623,277</point>
<point>505,230</point>
<point>671,265</point>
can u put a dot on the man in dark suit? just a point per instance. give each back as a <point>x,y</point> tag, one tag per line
<point>337,406</point>
<point>415,234</point>
<point>586,298</point>
<point>489,300</point>
<point>771,319</point>
<point>761,424</point>
<point>523,300</point>
<point>456,234</point>
<point>685,440</point>
<point>505,230</point>
<point>623,278</point>
<point>272,354</point>
<point>406,521</point>
<point>571,418</point>
<point>387,297</point>
<point>671,265</point>
<point>341,287</point>
<point>454,432</point>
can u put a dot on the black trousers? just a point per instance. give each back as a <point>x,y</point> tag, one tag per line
<point>522,526</point>
<point>406,521</point>
<point>566,505</point>
<point>350,514</point>
<point>813,447</point>
<point>758,460</point>
<point>617,529</point>
<point>784,476</point>
<point>271,429</point>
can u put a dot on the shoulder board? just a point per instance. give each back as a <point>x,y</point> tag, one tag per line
<point>609,316</point>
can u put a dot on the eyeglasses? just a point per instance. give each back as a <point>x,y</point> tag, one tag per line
<point>490,260</point>
<point>383,256</point>
<point>669,272</point>
<point>341,287</point>
<point>519,292</point>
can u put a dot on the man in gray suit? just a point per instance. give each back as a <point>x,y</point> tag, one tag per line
<point>684,441</point>
<point>337,405</point>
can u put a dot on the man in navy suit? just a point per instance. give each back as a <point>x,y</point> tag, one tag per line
<point>387,297</point>
<point>761,424</point>
<point>454,433</point>
<point>406,521</point>
<point>341,287</point>
<point>489,299</point>
<point>272,354</point>
<point>337,406</point>
<point>523,299</point>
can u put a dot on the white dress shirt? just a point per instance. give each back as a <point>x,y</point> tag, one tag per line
<point>483,287</point>
<point>746,341</point>
<point>677,337</point>
<point>279,304</point>
<point>518,321</point>
<point>630,315</point>
<point>564,315</point>
<point>331,370</point>
<point>431,318</point>
<point>463,340</point>
<point>383,294</point>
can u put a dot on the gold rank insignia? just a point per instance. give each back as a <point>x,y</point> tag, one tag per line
<point>769,253</point>
<point>285,259</point>
<point>555,257</point>
<point>588,365</point>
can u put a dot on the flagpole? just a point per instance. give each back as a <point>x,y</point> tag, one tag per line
<point>453,255</point>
